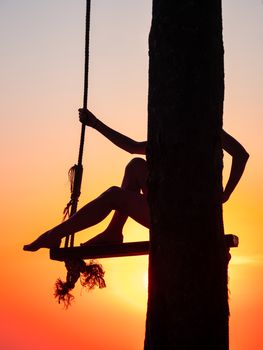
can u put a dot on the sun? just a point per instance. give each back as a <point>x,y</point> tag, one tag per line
<point>145,280</point>
<point>129,280</point>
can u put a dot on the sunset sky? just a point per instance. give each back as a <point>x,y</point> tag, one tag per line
<point>42,57</point>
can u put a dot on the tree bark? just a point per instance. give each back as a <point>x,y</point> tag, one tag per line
<point>188,296</point>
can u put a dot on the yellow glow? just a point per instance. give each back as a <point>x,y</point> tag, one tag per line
<point>126,279</point>
<point>145,280</point>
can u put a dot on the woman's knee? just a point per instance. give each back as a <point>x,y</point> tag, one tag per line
<point>117,198</point>
<point>136,165</point>
<point>112,195</point>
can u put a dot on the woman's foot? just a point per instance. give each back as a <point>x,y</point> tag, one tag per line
<point>105,238</point>
<point>46,240</point>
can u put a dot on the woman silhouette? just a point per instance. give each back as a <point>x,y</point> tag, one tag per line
<point>129,200</point>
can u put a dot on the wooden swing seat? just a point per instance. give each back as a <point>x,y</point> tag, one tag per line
<point>114,250</point>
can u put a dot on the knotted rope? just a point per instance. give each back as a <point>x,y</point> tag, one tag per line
<point>75,173</point>
<point>90,274</point>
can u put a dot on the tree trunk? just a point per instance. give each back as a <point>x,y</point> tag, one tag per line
<point>188,296</point>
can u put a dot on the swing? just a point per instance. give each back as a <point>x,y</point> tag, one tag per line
<point>115,250</point>
<point>91,274</point>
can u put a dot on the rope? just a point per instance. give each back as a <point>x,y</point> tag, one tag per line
<point>90,274</point>
<point>75,173</point>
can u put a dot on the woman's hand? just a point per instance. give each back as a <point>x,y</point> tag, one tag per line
<point>87,118</point>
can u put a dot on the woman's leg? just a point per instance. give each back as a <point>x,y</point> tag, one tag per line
<point>134,180</point>
<point>127,202</point>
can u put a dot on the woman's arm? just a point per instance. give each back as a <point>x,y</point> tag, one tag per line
<point>120,140</point>
<point>239,160</point>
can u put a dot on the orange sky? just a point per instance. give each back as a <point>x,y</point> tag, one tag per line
<point>41,88</point>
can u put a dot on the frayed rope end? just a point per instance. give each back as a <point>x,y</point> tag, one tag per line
<point>91,275</point>
<point>62,293</point>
